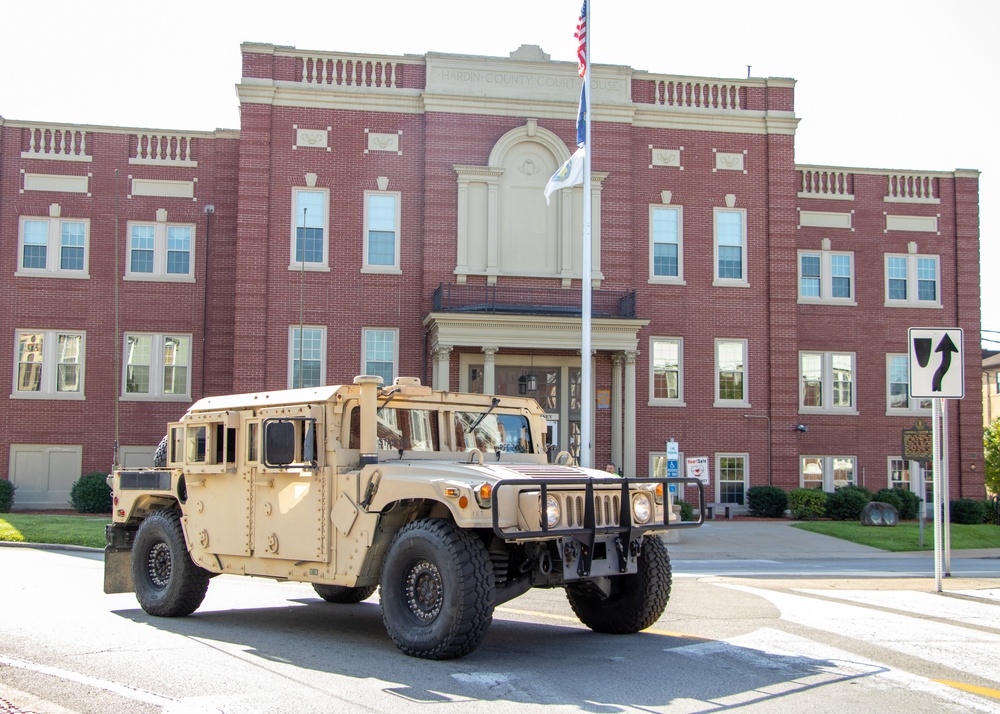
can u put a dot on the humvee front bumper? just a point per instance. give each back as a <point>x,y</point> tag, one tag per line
<point>595,515</point>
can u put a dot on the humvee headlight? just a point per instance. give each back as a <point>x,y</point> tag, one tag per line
<point>642,509</point>
<point>552,511</point>
<point>484,495</point>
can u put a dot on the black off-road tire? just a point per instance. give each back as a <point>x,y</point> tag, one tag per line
<point>160,455</point>
<point>437,590</point>
<point>167,582</point>
<point>636,601</point>
<point>340,594</point>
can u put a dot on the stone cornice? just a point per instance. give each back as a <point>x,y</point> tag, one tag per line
<point>525,331</point>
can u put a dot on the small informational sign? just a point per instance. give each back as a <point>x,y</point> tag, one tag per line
<point>673,456</point>
<point>937,368</point>
<point>918,442</point>
<point>697,467</point>
<point>603,398</point>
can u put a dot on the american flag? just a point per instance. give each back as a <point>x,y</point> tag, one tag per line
<point>581,38</point>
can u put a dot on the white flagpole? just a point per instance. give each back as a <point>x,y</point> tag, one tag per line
<point>586,384</point>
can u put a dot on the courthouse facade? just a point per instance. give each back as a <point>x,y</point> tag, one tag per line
<point>385,215</point>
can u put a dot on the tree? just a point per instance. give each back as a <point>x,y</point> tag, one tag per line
<point>991,448</point>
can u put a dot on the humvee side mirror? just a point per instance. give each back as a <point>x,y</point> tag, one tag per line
<point>279,443</point>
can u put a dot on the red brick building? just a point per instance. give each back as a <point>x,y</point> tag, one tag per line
<point>385,215</point>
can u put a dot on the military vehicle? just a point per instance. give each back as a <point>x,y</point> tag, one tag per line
<point>448,502</point>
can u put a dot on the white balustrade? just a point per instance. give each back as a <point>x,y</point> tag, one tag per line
<point>697,95</point>
<point>345,71</point>
<point>57,143</point>
<point>162,150</point>
<point>911,188</point>
<point>825,183</point>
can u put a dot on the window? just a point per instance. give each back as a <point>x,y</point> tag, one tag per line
<point>309,229</point>
<point>666,383</point>
<point>160,251</point>
<point>730,247</point>
<point>666,259</point>
<point>826,472</point>
<point>826,277</point>
<point>306,356</point>
<point>898,387</point>
<point>381,232</point>
<point>826,382</point>
<point>732,478</point>
<point>912,281</point>
<point>48,364</point>
<point>380,354</point>
<point>54,247</point>
<point>730,373</point>
<point>157,367</point>
<point>899,474</point>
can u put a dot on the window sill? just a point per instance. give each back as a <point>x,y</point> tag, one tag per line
<point>666,403</point>
<point>908,412</point>
<point>831,301</point>
<point>663,280</point>
<point>155,398</point>
<point>916,305</point>
<point>158,278</point>
<point>721,283</point>
<point>831,412</point>
<point>730,404</point>
<point>62,274</point>
<point>55,396</point>
<point>309,268</point>
<point>372,270</point>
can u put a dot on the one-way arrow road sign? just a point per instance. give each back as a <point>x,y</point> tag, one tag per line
<point>937,370</point>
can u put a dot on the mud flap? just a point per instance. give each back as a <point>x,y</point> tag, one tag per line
<point>118,571</point>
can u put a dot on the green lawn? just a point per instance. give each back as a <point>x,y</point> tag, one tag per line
<point>65,530</point>
<point>905,536</point>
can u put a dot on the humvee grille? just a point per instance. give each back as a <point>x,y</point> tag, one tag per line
<point>607,510</point>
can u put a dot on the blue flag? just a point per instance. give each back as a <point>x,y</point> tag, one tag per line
<point>581,118</point>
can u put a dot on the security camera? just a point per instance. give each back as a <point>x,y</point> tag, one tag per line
<point>801,428</point>
<point>210,208</point>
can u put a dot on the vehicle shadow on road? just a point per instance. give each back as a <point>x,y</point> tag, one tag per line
<point>559,664</point>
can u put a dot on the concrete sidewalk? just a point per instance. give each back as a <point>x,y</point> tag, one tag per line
<point>777,540</point>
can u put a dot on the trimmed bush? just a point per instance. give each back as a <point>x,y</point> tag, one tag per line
<point>766,501</point>
<point>993,511</point>
<point>965,510</point>
<point>906,502</point>
<point>807,503</point>
<point>687,512</point>
<point>6,495</point>
<point>91,494</point>
<point>892,496</point>
<point>847,503</point>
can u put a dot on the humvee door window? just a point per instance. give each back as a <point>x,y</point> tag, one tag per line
<point>400,429</point>
<point>252,442</point>
<point>497,432</point>
<point>195,440</point>
<point>290,442</point>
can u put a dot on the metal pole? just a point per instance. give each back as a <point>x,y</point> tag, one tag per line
<point>302,290</point>
<point>117,347</point>
<point>936,476</point>
<point>945,498</point>
<point>586,385</point>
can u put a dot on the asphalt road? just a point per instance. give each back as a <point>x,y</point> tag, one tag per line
<point>808,641</point>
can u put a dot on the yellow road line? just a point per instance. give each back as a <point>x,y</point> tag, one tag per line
<point>984,691</point>
<point>575,621</point>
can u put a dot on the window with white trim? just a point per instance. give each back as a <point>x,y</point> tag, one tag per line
<point>380,353</point>
<point>53,247</point>
<point>160,251</point>
<point>666,383</point>
<point>306,356</point>
<point>731,373</point>
<point>825,276</point>
<point>912,280</point>
<point>48,364</point>
<point>827,382</point>
<point>827,473</point>
<point>898,401</point>
<point>900,471</point>
<point>309,248</point>
<point>381,238</point>
<point>666,244</point>
<point>156,367</point>
<point>732,478</point>
<point>730,246</point>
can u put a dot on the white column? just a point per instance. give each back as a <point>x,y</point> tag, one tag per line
<point>441,375</point>
<point>617,360</point>
<point>628,422</point>
<point>489,369</point>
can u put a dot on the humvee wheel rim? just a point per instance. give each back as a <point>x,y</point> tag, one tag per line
<point>158,565</point>
<point>424,590</point>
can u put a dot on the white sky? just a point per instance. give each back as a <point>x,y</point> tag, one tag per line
<point>880,83</point>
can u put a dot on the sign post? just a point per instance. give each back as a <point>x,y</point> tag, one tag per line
<point>673,456</point>
<point>937,372</point>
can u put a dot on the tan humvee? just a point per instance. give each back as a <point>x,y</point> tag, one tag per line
<point>447,501</point>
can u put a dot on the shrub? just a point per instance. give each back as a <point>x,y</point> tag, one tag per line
<point>687,512</point>
<point>993,511</point>
<point>965,510</point>
<point>6,495</point>
<point>847,503</point>
<point>766,501</point>
<point>91,494</point>
<point>892,496</point>
<point>911,504</point>
<point>807,503</point>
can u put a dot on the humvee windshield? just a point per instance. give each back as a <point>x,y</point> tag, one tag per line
<point>497,432</point>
